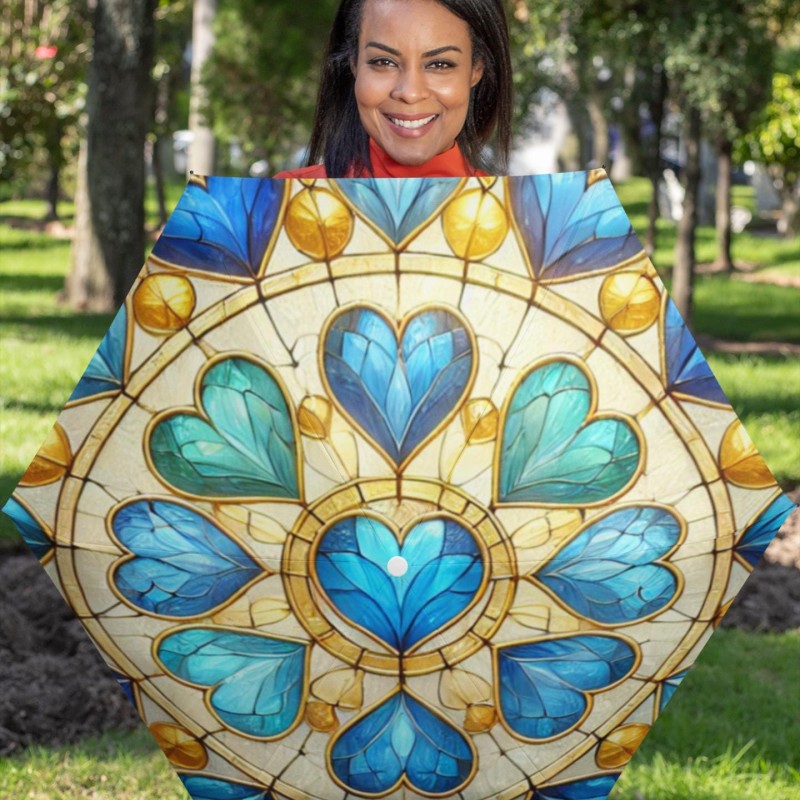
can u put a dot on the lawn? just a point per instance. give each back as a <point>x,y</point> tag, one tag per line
<point>732,733</point>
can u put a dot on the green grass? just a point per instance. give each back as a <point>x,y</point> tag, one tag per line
<point>732,732</point>
<point>118,766</point>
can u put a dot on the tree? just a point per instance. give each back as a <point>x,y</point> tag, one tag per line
<point>43,55</point>
<point>774,140</point>
<point>201,148</point>
<point>263,74</point>
<point>108,250</point>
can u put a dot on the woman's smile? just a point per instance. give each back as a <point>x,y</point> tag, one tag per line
<point>413,81</point>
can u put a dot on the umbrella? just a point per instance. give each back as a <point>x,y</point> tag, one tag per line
<point>399,488</point>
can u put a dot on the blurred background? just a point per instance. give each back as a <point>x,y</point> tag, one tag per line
<point>693,106</point>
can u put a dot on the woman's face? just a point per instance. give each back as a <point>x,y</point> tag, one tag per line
<point>413,77</point>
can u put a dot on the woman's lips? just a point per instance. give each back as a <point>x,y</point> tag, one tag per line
<point>420,128</point>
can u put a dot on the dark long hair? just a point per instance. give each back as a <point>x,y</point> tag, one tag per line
<point>338,138</point>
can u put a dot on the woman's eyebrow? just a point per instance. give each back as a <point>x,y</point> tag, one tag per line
<point>430,53</point>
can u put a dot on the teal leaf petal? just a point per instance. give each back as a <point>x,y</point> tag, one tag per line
<point>569,226</point>
<point>204,787</point>
<point>256,683</point>
<point>398,392</point>
<point>553,451</point>
<point>595,788</point>
<point>35,536</point>
<point>762,530</point>
<point>246,447</point>
<point>400,205</point>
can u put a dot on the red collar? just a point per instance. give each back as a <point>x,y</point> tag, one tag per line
<point>449,164</point>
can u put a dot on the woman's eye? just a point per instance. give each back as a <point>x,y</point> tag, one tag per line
<point>441,65</point>
<point>382,62</point>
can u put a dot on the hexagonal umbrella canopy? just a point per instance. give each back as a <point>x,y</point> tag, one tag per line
<point>399,488</point>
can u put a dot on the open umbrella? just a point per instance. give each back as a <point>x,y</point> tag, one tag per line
<point>405,488</point>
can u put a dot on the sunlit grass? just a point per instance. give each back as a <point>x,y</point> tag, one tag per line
<point>731,732</point>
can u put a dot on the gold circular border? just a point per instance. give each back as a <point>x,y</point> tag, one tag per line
<point>309,274</point>
<point>302,587</point>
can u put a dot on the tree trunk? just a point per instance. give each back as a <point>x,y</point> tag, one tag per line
<point>654,161</point>
<point>790,211</point>
<point>201,148</point>
<point>599,132</point>
<point>723,210</point>
<point>158,176</point>
<point>683,271</point>
<point>117,104</point>
<point>88,284</point>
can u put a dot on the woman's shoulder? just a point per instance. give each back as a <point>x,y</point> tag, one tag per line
<point>314,171</point>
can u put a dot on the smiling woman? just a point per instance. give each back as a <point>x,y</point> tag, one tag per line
<point>413,88</point>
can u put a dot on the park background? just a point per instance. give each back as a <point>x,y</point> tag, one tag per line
<point>693,106</point>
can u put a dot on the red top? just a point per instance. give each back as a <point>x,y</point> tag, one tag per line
<point>450,164</point>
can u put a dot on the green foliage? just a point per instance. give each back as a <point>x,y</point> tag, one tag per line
<point>262,77</point>
<point>42,92</point>
<point>774,140</point>
<point>720,59</point>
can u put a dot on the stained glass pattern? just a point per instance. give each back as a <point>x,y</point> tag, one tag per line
<point>408,488</point>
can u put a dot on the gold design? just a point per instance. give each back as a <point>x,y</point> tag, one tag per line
<point>740,462</point>
<point>182,749</point>
<point>321,716</point>
<point>630,301</point>
<point>52,460</point>
<point>318,223</point>
<point>342,687</point>
<point>249,524</point>
<point>459,689</point>
<point>552,529</point>
<point>479,418</point>
<point>475,224</point>
<point>314,417</point>
<point>617,749</point>
<point>163,303</point>
<point>480,719</point>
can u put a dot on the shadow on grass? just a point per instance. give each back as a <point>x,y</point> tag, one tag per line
<point>74,326</point>
<point>26,282</point>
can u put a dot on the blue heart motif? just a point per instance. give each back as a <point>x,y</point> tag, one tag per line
<point>244,444</point>
<point>256,683</point>
<point>607,572</point>
<point>398,389</point>
<point>544,687</point>
<point>554,450</point>
<point>401,741</point>
<point>445,574</point>
<point>398,207</point>
<point>182,565</point>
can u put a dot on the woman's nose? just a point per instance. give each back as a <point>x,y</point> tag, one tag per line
<point>411,86</point>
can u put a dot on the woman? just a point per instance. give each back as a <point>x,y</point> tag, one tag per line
<point>413,88</point>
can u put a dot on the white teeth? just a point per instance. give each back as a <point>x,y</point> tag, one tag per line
<point>412,123</point>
